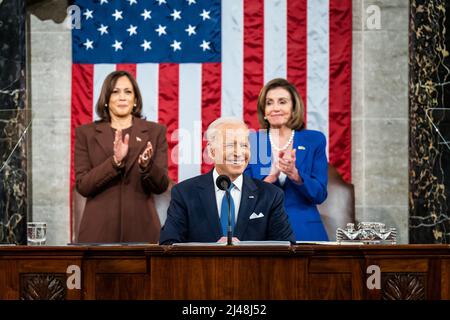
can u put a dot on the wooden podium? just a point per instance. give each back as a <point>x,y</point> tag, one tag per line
<point>237,272</point>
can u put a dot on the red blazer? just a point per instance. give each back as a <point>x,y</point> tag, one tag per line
<point>120,206</point>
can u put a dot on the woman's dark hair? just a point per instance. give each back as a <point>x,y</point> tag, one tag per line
<point>297,120</point>
<point>107,89</point>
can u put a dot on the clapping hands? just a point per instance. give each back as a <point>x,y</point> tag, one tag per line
<point>120,146</point>
<point>285,162</point>
<point>144,157</point>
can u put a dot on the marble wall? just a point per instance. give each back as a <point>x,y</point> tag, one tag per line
<point>50,78</point>
<point>379,121</point>
<point>430,123</point>
<point>380,113</point>
<point>14,124</point>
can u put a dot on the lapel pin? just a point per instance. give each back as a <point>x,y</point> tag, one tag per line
<point>138,139</point>
<point>301,148</point>
<point>251,197</point>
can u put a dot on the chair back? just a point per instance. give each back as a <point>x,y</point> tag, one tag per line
<point>339,207</point>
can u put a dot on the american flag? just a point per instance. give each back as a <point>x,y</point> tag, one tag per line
<point>197,60</point>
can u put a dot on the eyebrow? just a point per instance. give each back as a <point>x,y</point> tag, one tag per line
<point>277,98</point>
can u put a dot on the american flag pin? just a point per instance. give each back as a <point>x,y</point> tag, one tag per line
<point>301,148</point>
<point>138,139</point>
<point>251,197</point>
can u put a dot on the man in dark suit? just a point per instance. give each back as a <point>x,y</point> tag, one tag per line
<point>198,209</point>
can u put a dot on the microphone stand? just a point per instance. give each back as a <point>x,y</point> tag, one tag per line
<point>229,232</point>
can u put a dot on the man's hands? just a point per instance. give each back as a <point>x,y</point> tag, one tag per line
<point>224,240</point>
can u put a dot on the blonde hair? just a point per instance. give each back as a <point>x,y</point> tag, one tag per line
<point>297,119</point>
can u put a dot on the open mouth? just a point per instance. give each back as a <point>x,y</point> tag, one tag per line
<point>236,162</point>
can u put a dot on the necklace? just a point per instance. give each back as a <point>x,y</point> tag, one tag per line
<point>285,146</point>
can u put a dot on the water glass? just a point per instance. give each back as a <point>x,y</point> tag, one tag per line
<point>36,233</point>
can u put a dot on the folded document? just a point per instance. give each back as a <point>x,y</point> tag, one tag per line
<point>236,243</point>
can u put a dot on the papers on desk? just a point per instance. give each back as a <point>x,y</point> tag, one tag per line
<point>331,243</point>
<point>235,243</point>
<point>196,244</point>
<point>112,244</point>
<point>264,243</point>
<point>212,244</point>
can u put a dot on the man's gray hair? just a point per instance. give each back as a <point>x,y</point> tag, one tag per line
<point>214,127</point>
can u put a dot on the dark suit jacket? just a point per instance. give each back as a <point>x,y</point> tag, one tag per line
<point>193,216</point>
<point>119,206</point>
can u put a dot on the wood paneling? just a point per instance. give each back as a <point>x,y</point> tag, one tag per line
<point>337,286</point>
<point>113,286</point>
<point>226,277</point>
<point>226,273</point>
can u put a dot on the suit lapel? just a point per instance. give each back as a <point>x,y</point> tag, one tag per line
<point>138,141</point>
<point>105,137</point>
<point>207,196</point>
<point>264,156</point>
<point>249,198</point>
<point>300,148</point>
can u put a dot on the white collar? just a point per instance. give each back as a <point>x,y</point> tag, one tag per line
<point>237,183</point>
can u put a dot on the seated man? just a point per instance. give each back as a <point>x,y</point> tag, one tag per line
<point>198,210</point>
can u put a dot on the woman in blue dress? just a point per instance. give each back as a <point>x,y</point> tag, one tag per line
<point>286,154</point>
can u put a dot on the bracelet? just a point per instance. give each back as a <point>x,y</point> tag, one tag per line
<point>118,163</point>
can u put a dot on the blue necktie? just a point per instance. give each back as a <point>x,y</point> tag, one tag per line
<point>224,212</point>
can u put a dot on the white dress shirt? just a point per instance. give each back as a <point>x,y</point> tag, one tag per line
<point>235,192</point>
<point>282,178</point>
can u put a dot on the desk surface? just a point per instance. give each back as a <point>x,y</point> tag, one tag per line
<point>252,272</point>
<point>4,249</point>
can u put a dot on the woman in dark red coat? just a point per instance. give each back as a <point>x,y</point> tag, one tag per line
<point>120,161</point>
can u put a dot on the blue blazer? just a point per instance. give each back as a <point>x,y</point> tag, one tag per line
<point>300,200</point>
<point>192,215</point>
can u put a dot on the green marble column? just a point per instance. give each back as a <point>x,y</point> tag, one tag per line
<point>13,123</point>
<point>429,116</point>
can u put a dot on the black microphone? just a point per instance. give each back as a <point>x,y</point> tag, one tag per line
<point>223,182</point>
